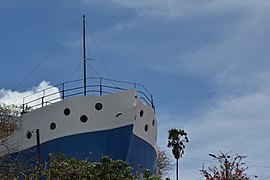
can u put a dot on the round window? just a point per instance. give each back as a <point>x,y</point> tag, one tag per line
<point>67,111</point>
<point>146,128</point>
<point>83,118</point>
<point>28,134</point>
<point>53,126</point>
<point>98,106</point>
<point>141,113</point>
<point>153,122</point>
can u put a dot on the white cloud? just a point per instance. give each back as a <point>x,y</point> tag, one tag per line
<point>35,93</point>
<point>181,8</point>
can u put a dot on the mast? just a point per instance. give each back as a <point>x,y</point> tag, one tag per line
<point>84,58</point>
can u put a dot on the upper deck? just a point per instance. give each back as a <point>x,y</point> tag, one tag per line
<point>95,86</point>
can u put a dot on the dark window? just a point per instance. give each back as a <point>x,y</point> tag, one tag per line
<point>118,114</point>
<point>53,126</point>
<point>153,122</point>
<point>146,128</point>
<point>83,118</point>
<point>67,111</point>
<point>141,113</point>
<point>28,134</point>
<point>98,106</point>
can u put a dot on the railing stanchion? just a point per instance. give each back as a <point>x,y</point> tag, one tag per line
<point>152,103</point>
<point>42,101</point>
<point>100,86</point>
<point>63,91</point>
<point>66,90</point>
<point>23,105</point>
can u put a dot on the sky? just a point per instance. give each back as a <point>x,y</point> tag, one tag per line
<point>204,61</point>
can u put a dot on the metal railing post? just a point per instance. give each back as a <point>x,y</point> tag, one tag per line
<point>42,101</point>
<point>63,91</point>
<point>152,103</point>
<point>23,106</point>
<point>100,86</point>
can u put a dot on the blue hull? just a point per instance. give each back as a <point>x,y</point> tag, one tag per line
<point>119,143</point>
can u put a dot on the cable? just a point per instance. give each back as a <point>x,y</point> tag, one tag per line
<point>76,69</point>
<point>46,57</point>
<point>100,55</point>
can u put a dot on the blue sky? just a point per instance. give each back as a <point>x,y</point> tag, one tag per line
<point>205,62</point>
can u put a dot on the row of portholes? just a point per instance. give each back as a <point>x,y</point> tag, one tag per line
<point>146,127</point>
<point>83,119</point>
<point>29,133</point>
<point>67,111</point>
<point>98,107</point>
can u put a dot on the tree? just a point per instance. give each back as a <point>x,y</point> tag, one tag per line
<point>17,168</point>
<point>9,115</point>
<point>71,168</point>
<point>228,168</point>
<point>68,168</point>
<point>163,162</point>
<point>176,140</point>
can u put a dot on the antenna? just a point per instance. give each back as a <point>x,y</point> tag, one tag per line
<point>84,58</point>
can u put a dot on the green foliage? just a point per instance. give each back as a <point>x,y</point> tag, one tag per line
<point>71,168</point>
<point>228,167</point>
<point>176,140</point>
<point>16,168</point>
<point>62,167</point>
<point>148,175</point>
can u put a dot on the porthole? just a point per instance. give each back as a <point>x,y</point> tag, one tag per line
<point>118,114</point>
<point>52,126</point>
<point>98,106</point>
<point>153,122</point>
<point>83,118</point>
<point>136,97</point>
<point>141,113</point>
<point>67,111</point>
<point>146,128</point>
<point>28,134</point>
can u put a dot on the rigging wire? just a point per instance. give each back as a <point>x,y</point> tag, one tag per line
<point>76,69</point>
<point>99,52</point>
<point>46,57</point>
<point>91,68</point>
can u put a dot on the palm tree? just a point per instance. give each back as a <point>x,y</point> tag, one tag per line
<point>176,140</point>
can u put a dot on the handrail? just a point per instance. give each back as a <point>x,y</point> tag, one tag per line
<point>67,89</point>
